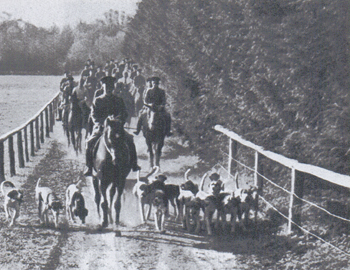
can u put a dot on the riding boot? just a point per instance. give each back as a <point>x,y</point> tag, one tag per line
<point>88,168</point>
<point>138,127</point>
<point>168,125</point>
<point>133,154</point>
<point>90,143</point>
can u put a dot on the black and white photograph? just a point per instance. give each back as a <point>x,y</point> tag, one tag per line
<point>175,134</point>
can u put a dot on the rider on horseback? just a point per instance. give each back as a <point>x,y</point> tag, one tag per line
<point>155,101</point>
<point>64,82</point>
<point>103,106</point>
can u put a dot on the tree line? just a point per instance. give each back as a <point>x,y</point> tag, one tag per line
<point>27,49</point>
<point>274,71</point>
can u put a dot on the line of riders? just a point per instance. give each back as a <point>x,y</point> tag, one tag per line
<point>114,90</point>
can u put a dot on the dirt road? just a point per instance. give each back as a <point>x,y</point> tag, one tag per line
<point>74,246</point>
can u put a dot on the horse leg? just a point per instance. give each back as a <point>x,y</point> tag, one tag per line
<point>72,134</point>
<point>159,152</point>
<point>111,196</point>
<point>79,135</point>
<point>68,135</point>
<point>117,204</point>
<point>97,195</point>
<point>104,206</point>
<point>151,155</point>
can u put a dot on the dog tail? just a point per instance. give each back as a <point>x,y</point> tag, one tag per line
<point>155,170</point>
<point>186,175</point>
<point>236,180</point>
<point>9,183</point>
<point>37,183</point>
<point>79,184</point>
<point>138,176</point>
<point>202,181</point>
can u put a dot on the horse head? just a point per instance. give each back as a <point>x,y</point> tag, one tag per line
<point>114,135</point>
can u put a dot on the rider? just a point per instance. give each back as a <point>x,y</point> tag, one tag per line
<point>66,94</point>
<point>84,74</point>
<point>62,85</point>
<point>103,106</point>
<point>155,101</point>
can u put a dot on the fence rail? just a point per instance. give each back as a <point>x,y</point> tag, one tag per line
<point>38,130</point>
<point>297,172</point>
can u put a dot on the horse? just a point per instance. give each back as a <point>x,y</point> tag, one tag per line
<point>137,94</point>
<point>112,165</point>
<point>154,131</point>
<point>74,124</point>
<point>122,90</point>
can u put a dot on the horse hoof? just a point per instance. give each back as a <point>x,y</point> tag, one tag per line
<point>118,234</point>
<point>104,225</point>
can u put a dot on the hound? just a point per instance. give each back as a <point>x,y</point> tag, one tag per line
<point>172,193</point>
<point>12,202</point>
<point>248,200</point>
<point>230,204</point>
<point>160,205</point>
<point>188,191</point>
<point>47,200</point>
<point>210,201</point>
<point>75,203</point>
<point>143,197</point>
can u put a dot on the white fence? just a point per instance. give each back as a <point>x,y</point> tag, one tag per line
<point>295,167</point>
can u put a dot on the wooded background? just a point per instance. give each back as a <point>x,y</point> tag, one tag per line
<point>274,71</point>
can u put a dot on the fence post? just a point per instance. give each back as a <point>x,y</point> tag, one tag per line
<point>229,155</point>
<point>12,156</point>
<point>20,149</point>
<point>291,201</point>
<point>42,140</point>
<point>47,127</point>
<point>26,151</point>
<point>2,163</point>
<point>51,117</point>
<point>299,193</point>
<point>232,165</point>
<point>258,181</point>
<point>32,147</point>
<point>37,137</point>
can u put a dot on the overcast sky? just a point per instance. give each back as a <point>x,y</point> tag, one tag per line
<point>46,13</point>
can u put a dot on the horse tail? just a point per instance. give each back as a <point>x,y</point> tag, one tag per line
<point>186,175</point>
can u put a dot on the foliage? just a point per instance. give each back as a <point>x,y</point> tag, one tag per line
<point>275,72</point>
<point>27,49</point>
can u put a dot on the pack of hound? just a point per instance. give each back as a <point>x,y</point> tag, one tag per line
<point>190,202</point>
<point>193,205</point>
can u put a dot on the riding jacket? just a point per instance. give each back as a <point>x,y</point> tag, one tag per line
<point>104,105</point>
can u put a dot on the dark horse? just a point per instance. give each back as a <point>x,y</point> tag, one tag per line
<point>112,166</point>
<point>73,122</point>
<point>153,129</point>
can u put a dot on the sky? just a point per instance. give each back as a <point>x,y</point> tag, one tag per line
<point>47,13</point>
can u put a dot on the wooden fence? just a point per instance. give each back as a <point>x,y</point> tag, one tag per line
<point>298,171</point>
<point>40,126</point>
